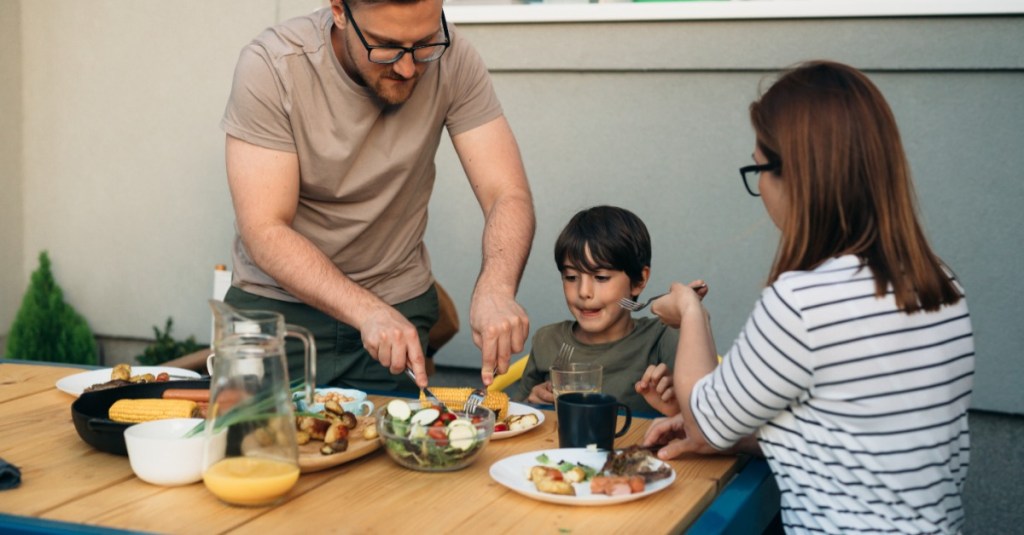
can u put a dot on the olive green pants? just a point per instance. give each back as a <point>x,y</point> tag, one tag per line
<point>341,358</point>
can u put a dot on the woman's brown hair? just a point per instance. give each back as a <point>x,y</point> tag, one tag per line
<point>847,183</point>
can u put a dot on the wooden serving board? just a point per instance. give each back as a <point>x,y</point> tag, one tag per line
<point>311,460</point>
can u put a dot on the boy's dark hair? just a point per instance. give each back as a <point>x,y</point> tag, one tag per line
<point>616,237</point>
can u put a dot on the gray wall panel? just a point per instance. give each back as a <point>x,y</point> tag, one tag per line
<point>665,139</point>
<point>895,44</point>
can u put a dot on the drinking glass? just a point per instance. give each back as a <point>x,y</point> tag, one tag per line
<point>582,377</point>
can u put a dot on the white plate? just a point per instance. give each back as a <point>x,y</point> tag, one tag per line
<point>519,408</point>
<point>75,384</point>
<point>513,471</point>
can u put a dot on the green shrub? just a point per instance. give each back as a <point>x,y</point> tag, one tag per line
<point>48,329</point>
<point>166,347</point>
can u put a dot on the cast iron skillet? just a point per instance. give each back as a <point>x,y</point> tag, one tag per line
<point>89,412</point>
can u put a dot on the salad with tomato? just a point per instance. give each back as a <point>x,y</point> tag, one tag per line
<point>431,437</point>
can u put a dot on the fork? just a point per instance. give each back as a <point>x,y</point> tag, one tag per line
<point>564,357</point>
<point>426,391</point>
<point>474,400</point>
<point>634,306</point>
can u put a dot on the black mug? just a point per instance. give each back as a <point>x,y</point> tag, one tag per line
<point>588,418</point>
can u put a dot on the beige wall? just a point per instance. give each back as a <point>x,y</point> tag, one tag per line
<point>122,177</point>
<point>12,274</point>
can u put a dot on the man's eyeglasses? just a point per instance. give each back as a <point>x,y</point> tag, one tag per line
<point>752,173</point>
<point>387,54</point>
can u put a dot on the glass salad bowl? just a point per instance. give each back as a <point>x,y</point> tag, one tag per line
<point>432,439</point>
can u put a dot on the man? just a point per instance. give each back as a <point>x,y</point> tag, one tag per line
<point>332,128</point>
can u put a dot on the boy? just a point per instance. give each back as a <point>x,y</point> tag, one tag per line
<point>604,254</point>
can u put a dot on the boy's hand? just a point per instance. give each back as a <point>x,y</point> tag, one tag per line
<point>656,388</point>
<point>542,394</point>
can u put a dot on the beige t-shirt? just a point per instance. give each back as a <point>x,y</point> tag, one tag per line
<point>366,173</point>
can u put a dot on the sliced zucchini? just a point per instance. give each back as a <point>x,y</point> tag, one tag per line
<point>426,417</point>
<point>461,434</point>
<point>399,410</point>
<point>417,432</point>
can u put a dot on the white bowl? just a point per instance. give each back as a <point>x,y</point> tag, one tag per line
<point>160,454</point>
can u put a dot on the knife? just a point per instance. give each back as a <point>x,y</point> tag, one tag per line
<point>426,391</point>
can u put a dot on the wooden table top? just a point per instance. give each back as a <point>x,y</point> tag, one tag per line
<point>65,479</point>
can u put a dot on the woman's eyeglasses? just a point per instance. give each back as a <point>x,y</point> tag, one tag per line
<point>751,174</point>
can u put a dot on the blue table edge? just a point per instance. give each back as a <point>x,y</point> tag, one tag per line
<point>747,504</point>
<point>13,524</point>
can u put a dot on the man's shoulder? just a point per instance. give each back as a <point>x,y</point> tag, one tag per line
<point>461,58</point>
<point>300,35</point>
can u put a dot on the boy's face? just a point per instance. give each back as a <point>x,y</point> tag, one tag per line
<point>593,299</point>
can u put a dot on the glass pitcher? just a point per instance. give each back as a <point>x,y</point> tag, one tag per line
<point>251,455</point>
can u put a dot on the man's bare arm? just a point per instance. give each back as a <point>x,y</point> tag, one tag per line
<point>490,157</point>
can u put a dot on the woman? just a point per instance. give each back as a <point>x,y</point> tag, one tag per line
<point>854,371</point>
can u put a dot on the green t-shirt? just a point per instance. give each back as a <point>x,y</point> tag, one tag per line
<point>624,361</point>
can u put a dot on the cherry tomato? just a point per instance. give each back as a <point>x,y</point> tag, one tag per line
<point>447,417</point>
<point>439,435</point>
<point>498,428</point>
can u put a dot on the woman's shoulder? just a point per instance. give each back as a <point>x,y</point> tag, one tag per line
<point>833,280</point>
<point>837,267</point>
<point>843,273</point>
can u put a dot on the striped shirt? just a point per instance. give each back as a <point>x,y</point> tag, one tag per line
<point>860,409</point>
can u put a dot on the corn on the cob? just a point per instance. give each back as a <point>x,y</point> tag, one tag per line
<point>455,399</point>
<point>143,410</point>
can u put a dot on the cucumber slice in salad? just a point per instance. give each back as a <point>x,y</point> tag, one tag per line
<point>426,417</point>
<point>461,434</point>
<point>399,410</point>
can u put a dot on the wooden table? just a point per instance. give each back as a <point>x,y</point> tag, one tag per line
<point>64,479</point>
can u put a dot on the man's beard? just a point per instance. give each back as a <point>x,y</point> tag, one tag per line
<point>390,95</point>
<point>386,97</point>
